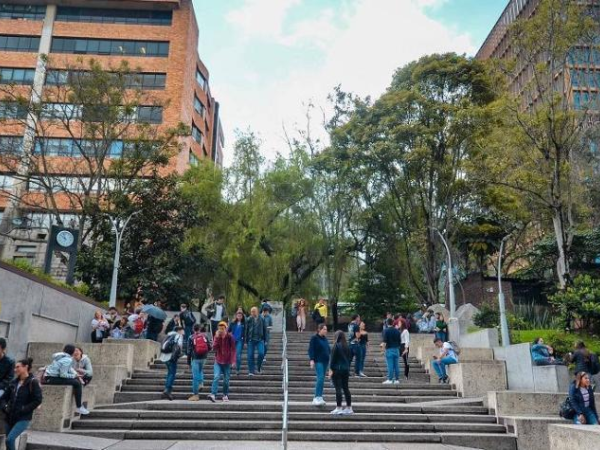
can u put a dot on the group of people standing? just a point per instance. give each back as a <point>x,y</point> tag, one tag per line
<point>226,340</point>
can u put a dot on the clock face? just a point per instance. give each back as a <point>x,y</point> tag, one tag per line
<point>65,238</point>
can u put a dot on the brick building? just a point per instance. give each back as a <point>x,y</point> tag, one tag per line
<point>40,39</point>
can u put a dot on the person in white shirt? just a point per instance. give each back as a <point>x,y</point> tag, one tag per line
<point>171,350</point>
<point>446,357</point>
<point>404,347</point>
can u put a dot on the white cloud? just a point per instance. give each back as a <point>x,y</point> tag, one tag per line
<point>360,50</point>
<point>261,17</point>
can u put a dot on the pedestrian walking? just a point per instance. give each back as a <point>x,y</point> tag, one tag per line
<point>354,344</point>
<point>363,341</point>
<point>174,322</point>
<point>171,350</point>
<point>301,309</point>
<point>339,372</point>
<point>319,354</point>
<point>61,372</point>
<point>216,313</point>
<point>391,347</point>
<point>197,351</point>
<point>21,398</point>
<point>266,306</point>
<point>582,399</point>
<point>256,332</point>
<point>224,345</point>
<point>405,348</point>
<point>446,357</point>
<point>238,330</point>
<point>266,315</point>
<point>188,319</point>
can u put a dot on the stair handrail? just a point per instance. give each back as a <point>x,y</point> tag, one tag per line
<point>285,372</point>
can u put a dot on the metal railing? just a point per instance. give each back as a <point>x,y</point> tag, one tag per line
<point>286,379</point>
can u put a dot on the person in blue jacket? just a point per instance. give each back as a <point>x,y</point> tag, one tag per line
<point>238,329</point>
<point>581,395</point>
<point>319,354</point>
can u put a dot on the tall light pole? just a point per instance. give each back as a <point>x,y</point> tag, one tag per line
<point>450,276</point>
<point>119,231</point>
<point>501,302</point>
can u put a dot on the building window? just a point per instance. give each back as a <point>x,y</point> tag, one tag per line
<point>6,182</point>
<point>11,145</point>
<point>146,81</point>
<point>150,114</point>
<point>199,107</point>
<point>19,43</point>
<point>94,149</point>
<point>201,79</point>
<point>26,249</point>
<point>193,159</point>
<point>13,110</point>
<point>16,76</point>
<point>127,16</point>
<point>197,134</point>
<point>109,47</point>
<point>31,12</point>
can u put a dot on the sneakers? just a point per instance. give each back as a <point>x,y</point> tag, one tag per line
<point>81,410</point>
<point>347,411</point>
<point>167,395</point>
<point>211,398</point>
<point>337,411</point>
<point>319,401</point>
<point>446,380</point>
<point>396,381</point>
<point>194,398</point>
<point>362,375</point>
<point>250,374</point>
<point>225,399</point>
<point>388,382</point>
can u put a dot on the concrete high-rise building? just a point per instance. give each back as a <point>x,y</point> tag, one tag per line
<point>41,39</point>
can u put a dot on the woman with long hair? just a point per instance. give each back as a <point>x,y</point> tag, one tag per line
<point>22,397</point>
<point>339,372</point>
<point>582,399</point>
<point>301,315</point>
<point>100,327</point>
<point>404,347</point>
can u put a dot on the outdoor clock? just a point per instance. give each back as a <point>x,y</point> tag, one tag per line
<point>65,238</point>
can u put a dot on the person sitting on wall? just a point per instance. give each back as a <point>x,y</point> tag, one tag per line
<point>83,366</point>
<point>61,372</point>
<point>543,355</point>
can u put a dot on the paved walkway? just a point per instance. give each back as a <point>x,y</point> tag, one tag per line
<point>43,440</point>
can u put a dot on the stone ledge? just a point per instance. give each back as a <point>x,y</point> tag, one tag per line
<point>531,432</point>
<point>574,437</point>
<point>512,403</point>
<point>145,351</point>
<point>58,408</point>
<point>476,379</point>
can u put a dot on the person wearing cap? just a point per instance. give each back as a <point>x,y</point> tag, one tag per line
<point>256,334</point>
<point>224,347</point>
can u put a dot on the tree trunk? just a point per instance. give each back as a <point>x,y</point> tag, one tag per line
<point>562,263</point>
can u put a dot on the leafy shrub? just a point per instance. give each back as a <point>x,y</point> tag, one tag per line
<point>580,301</point>
<point>487,317</point>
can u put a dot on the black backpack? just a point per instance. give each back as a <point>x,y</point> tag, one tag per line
<point>316,315</point>
<point>594,364</point>
<point>168,345</point>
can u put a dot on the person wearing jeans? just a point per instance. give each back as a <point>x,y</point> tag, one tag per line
<point>23,395</point>
<point>446,357</point>
<point>237,329</point>
<point>319,354</point>
<point>339,372</point>
<point>61,372</point>
<point>170,352</point>
<point>391,346</point>
<point>224,345</point>
<point>196,360</point>
<point>256,333</point>
<point>582,399</point>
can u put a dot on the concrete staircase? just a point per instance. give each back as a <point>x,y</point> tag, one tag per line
<point>414,411</point>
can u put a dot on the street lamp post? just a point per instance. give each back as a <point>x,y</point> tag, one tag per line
<point>450,277</point>
<point>119,232</point>
<point>501,302</point>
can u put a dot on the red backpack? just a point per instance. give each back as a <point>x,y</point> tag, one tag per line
<point>200,345</point>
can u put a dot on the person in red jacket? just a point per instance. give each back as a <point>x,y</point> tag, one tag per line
<point>224,347</point>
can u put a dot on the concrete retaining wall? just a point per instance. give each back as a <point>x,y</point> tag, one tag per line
<point>487,338</point>
<point>34,310</point>
<point>574,437</point>
<point>476,379</point>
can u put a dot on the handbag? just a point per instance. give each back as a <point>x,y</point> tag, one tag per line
<point>566,410</point>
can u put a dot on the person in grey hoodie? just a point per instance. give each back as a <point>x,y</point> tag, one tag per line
<point>83,366</point>
<point>61,372</point>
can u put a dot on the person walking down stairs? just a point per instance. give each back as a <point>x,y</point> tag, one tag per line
<point>256,334</point>
<point>238,329</point>
<point>339,373</point>
<point>198,347</point>
<point>224,346</point>
<point>170,352</point>
<point>319,354</point>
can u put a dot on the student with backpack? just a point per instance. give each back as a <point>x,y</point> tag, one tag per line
<point>198,347</point>
<point>21,398</point>
<point>237,328</point>
<point>448,355</point>
<point>584,360</point>
<point>170,352</point>
<point>224,345</point>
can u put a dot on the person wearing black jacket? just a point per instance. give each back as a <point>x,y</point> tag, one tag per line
<point>339,372</point>
<point>256,335</point>
<point>582,399</point>
<point>7,367</point>
<point>22,397</point>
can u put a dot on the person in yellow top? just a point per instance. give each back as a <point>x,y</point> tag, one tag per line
<point>321,308</point>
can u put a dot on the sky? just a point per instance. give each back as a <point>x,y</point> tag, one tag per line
<point>270,59</point>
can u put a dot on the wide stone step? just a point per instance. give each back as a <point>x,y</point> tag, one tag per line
<point>316,416</point>
<point>305,379</point>
<point>295,385</point>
